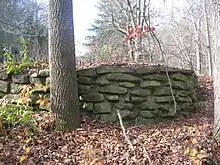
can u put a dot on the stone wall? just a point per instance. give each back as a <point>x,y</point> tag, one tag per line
<point>141,94</point>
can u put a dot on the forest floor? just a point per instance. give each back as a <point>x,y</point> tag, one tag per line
<point>187,140</point>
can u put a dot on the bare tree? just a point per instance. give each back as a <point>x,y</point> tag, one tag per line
<point>216,68</point>
<point>64,93</point>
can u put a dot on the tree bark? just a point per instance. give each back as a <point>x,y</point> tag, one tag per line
<point>64,91</point>
<point>208,39</point>
<point>216,70</point>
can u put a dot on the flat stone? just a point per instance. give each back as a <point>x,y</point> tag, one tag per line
<point>183,99</point>
<point>12,97</point>
<point>89,72</point>
<point>113,69</point>
<point>163,99</point>
<point>2,95</point>
<point>38,80</point>
<point>84,80</point>
<point>93,97</point>
<point>147,70</point>
<point>150,104</point>
<point>177,84</point>
<point>112,97</point>
<point>44,73</point>
<point>136,99</point>
<point>3,75</point>
<point>141,92</point>
<point>113,89</point>
<point>165,106</point>
<point>182,93</point>
<point>83,89</point>
<point>187,72</point>
<point>15,88</point>
<point>156,77</point>
<point>4,86</point>
<point>20,78</point>
<point>122,77</point>
<point>150,84</point>
<point>122,105</point>
<point>127,84</point>
<point>109,118</point>
<point>179,77</point>
<point>147,114</point>
<point>163,91</point>
<point>103,107</point>
<point>101,80</point>
<point>144,121</point>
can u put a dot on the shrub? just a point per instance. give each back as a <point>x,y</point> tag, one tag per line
<point>12,115</point>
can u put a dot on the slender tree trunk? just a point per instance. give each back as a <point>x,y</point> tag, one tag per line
<point>216,70</point>
<point>197,31</point>
<point>208,39</point>
<point>64,93</point>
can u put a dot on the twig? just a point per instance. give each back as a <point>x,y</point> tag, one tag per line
<point>124,131</point>
<point>167,73</point>
<point>147,155</point>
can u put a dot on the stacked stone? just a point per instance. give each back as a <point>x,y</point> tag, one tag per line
<point>10,85</point>
<point>142,95</point>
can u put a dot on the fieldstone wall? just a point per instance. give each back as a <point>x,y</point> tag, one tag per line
<point>141,94</point>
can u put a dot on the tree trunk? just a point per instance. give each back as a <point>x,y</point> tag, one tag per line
<point>208,39</point>
<point>64,93</point>
<point>216,70</point>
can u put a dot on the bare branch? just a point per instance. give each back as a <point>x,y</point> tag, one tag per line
<point>117,26</point>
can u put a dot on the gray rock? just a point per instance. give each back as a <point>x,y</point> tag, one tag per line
<point>164,99</point>
<point>163,91</point>
<point>113,89</point>
<point>136,99</point>
<point>147,114</point>
<point>4,86</point>
<point>183,99</point>
<point>83,89</point>
<point>93,97</point>
<point>102,81</point>
<point>150,84</point>
<point>147,70</point>
<point>150,104</point>
<point>141,92</point>
<point>113,69</point>
<point>3,75</point>
<point>38,80</point>
<point>20,78</point>
<point>156,77</point>
<point>15,88</point>
<point>12,97</point>
<point>89,72</point>
<point>112,97</point>
<point>109,118</point>
<point>177,85</point>
<point>127,84</point>
<point>44,73</point>
<point>122,105</point>
<point>103,107</point>
<point>179,77</point>
<point>84,80</point>
<point>122,77</point>
<point>144,121</point>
